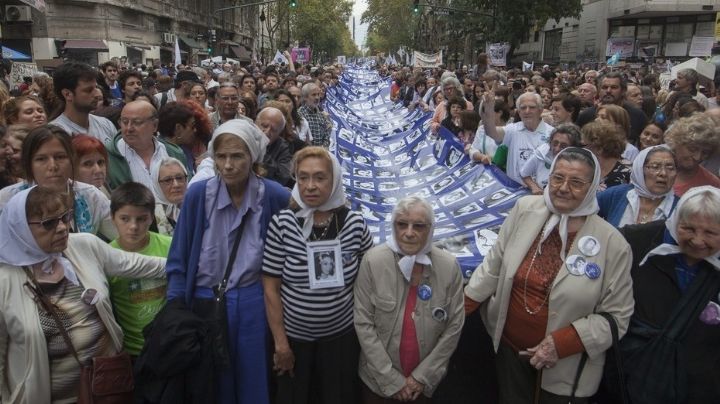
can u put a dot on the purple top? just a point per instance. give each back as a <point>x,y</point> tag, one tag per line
<point>223,222</point>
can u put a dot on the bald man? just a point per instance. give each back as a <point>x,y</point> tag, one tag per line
<point>135,149</point>
<point>587,92</point>
<point>277,156</point>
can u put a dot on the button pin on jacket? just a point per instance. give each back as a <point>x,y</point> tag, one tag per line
<point>439,314</point>
<point>424,292</point>
<point>592,270</point>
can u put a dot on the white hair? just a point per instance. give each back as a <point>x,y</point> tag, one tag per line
<point>408,202</point>
<point>536,97</point>
<point>705,204</point>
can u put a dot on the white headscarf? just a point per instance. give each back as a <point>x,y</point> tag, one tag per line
<point>254,139</point>
<point>637,176</point>
<point>669,247</point>
<point>336,200</point>
<point>407,262</point>
<point>17,244</point>
<point>155,175</point>
<point>588,206</point>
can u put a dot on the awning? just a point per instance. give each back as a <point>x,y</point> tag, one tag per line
<point>228,42</point>
<point>171,50</point>
<point>137,46</point>
<point>8,53</point>
<point>191,42</point>
<point>241,53</point>
<point>86,44</point>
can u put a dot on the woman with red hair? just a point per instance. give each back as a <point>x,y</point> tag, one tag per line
<point>92,161</point>
<point>186,124</point>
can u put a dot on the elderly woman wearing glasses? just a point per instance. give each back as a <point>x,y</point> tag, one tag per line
<point>170,180</point>
<point>555,264</point>
<point>408,310</point>
<point>649,196</point>
<point>39,257</point>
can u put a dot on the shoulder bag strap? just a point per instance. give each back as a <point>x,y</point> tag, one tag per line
<point>222,287</point>
<point>45,303</point>
<point>618,360</point>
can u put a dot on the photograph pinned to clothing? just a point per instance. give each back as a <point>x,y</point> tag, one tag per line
<point>325,269</point>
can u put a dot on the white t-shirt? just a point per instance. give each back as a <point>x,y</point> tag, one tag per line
<point>100,128</point>
<point>537,167</point>
<point>630,152</point>
<point>483,143</point>
<point>521,143</point>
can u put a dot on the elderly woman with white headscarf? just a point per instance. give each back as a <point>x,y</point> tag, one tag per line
<point>676,284</point>
<point>222,218</point>
<point>170,182</point>
<point>555,264</point>
<point>649,196</point>
<point>311,317</point>
<point>408,309</point>
<point>39,257</point>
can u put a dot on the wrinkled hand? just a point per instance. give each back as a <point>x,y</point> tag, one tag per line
<point>284,361</point>
<point>544,354</point>
<point>410,391</point>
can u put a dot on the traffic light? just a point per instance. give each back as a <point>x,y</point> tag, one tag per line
<point>416,6</point>
<point>293,3</point>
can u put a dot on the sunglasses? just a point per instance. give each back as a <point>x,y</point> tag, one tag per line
<point>52,223</point>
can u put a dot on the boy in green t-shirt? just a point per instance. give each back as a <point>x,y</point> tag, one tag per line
<point>136,301</point>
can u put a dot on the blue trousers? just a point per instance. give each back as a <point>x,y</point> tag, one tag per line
<point>246,380</point>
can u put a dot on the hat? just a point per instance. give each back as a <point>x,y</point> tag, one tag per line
<point>186,75</point>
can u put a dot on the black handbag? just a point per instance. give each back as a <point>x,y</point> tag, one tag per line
<point>654,358</point>
<point>214,310</point>
<point>618,360</point>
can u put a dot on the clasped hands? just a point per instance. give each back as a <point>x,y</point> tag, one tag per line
<point>410,391</point>
<point>544,355</point>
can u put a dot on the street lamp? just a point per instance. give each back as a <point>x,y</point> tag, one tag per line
<point>262,36</point>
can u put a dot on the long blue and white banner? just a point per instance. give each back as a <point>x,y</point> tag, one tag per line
<point>387,153</point>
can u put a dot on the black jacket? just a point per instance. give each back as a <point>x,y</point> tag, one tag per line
<point>656,293</point>
<point>175,365</point>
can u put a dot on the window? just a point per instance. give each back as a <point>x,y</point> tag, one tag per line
<point>705,28</point>
<point>622,32</point>
<point>678,32</point>
<point>653,32</point>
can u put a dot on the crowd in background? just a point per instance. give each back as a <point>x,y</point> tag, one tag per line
<point>131,196</point>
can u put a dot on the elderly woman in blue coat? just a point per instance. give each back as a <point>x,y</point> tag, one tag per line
<point>235,203</point>
<point>649,196</point>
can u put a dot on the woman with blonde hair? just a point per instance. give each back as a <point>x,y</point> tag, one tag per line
<point>607,142</point>
<point>693,140</point>
<point>620,117</point>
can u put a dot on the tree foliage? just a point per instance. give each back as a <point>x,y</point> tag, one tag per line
<point>319,24</point>
<point>392,23</point>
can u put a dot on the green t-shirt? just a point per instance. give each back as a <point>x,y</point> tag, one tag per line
<point>137,301</point>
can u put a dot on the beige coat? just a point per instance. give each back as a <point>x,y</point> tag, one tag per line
<point>24,368</point>
<point>573,299</point>
<point>380,295</point>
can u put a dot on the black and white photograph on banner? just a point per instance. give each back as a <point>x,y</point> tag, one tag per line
<point>466,210</point>
<point>481,182</point>
<point>497,198</point>
<point>453,197</point>
<point>454,156</point>
<point>442,184</point>
<point>484,240</point>
<point>457,245</point>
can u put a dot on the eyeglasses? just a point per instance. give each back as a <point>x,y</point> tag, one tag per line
<point>656,168</point>
<point>180,179</point>
<point>574,184</point>
<point>52,223</point>
<point>562,145</point>
<point>135,122</point>
<point>402,225</point>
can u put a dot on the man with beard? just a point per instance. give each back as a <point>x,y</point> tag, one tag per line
<point>612,91</point>
<point>75,85</point>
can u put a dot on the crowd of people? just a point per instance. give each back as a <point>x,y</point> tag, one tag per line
<point>195,220</point>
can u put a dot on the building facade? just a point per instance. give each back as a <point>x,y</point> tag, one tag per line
<point>135,31</point>
<point>640,29</point>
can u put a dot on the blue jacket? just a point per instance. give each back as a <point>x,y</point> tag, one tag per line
<point>184,256</point>
<point>613,202</point>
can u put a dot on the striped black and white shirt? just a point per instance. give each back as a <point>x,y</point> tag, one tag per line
<point>311,314</point>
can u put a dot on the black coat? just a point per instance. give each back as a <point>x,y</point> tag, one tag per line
<point>638,120</point>
<point>175,365</point>
<point>656,293</point>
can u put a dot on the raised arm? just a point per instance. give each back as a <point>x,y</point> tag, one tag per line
<point>497,133</point>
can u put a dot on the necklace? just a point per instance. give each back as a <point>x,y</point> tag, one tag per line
<point>527,275</point>
<point>326,225</point>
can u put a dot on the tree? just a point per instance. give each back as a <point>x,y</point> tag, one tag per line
<point>321,24</point>
<point>391,24</point>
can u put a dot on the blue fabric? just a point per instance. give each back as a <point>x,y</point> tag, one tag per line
<point>613,202</point>
<point>245,381</point>
<point>182,263</point>
<point>685,272</point>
